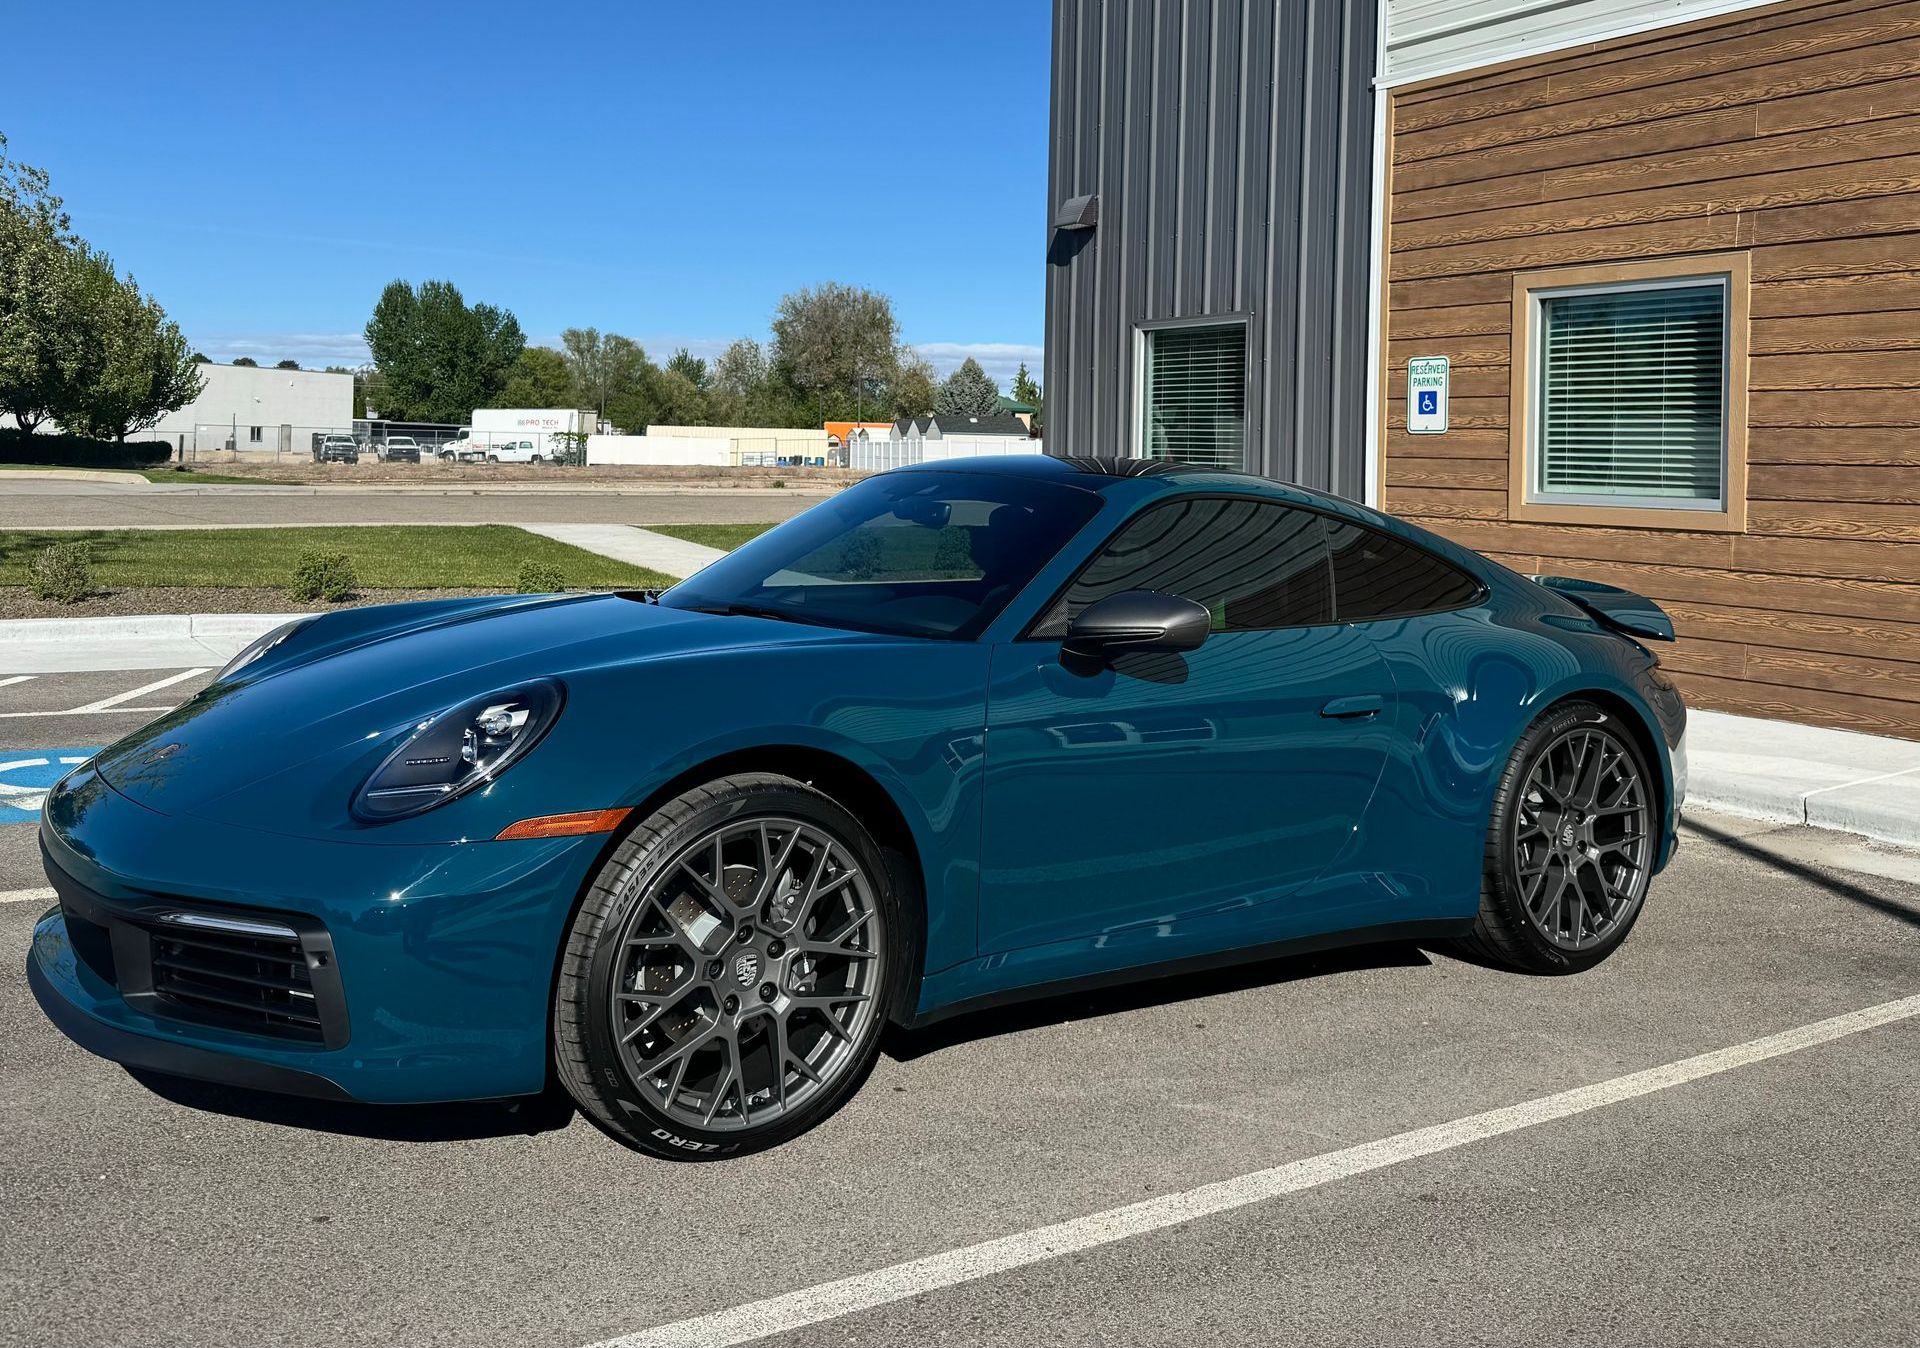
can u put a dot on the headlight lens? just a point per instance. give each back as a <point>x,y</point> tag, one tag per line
<point>259,646</point>
<point>448,755</point>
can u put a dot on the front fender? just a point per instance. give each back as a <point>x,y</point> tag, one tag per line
<point>909,715</point>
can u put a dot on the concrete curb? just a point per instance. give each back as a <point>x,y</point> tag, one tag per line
<point>146,641</point>
<point>1794,774</point>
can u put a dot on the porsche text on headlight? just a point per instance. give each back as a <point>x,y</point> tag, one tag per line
<point>453,753</point>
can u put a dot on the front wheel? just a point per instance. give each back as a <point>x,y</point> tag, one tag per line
<point>1570,846</point>
<point>726,980</point>
<point>446,458</point>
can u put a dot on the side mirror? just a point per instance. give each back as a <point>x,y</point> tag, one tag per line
<point>1137,620</point>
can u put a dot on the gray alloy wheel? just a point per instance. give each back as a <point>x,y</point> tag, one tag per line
<point>747,974</point>
<point>728,974</point>
<point>1581,841</point>
<point>1570,846</point>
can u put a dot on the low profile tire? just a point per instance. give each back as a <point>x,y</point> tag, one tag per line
<point>725,982</point>
<point>1570,845</point>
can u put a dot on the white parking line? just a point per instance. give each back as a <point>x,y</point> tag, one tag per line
<point>83,711</point>
<point>107,703</point>
<point>25,895</point>
<point>865,1291</point>
<point>12,679</point>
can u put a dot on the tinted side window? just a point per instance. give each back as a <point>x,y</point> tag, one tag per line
<point>1377,576</point>
<point>1253,564</point>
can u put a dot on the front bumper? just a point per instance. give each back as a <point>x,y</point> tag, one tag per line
<point>439,959</point>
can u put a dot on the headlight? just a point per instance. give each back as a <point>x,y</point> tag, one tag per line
<point>448,755</point>
<point>259,646</point>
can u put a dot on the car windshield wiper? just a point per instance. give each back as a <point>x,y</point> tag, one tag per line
<point>763,611</point>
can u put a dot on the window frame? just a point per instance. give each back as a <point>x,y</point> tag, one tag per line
<point>1734,273</point>
<point>1142,339</point>
<point>1480,588</point>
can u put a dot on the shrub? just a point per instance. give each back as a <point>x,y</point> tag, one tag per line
<point>62,573</point>
<point>322,575</point>
<point>80,451</point>
<point>541,578</point>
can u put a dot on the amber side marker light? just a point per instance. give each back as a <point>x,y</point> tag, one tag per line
<point>564,825</point>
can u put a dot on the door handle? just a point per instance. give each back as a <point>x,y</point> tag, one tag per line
<point>1347,708</point>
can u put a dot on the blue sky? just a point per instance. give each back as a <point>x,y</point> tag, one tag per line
<point>663,170</point>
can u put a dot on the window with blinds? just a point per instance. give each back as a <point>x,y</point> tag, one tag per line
<point>1193,401</point>
<point>1631,388</point>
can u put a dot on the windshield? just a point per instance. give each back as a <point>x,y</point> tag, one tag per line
<point>933,554</point>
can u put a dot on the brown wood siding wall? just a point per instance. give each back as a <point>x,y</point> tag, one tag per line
<point>1793,133</point>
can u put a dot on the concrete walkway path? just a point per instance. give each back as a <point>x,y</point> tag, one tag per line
<point>637,547</point>
<point>1796,774</point>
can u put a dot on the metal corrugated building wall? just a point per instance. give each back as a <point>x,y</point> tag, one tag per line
<point>1230,145</point>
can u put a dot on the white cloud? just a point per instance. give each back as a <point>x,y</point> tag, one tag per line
<point>999,359</point>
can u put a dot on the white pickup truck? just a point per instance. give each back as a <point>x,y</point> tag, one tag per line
<point>488,449</point>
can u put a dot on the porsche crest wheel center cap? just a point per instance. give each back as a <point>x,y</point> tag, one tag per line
<point>746,968</point>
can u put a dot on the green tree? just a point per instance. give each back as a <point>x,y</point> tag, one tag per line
<point>676,400</point>
<point>608,372</point>
<point>38,331</point>
<point>540,378</point>
<point>246,362</point>
<point>740,388</point>
<point>202,358</point>
<point>689,367</point>
<point>287,365</point>
<point>1026,389</point>
<point>836,348</point>
<point>438,357</point>
<point>139,365</point>
<point>914,386</point>
<point>968,392</point>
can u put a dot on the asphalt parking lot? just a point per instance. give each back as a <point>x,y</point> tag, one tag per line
<point>1373,1147</point>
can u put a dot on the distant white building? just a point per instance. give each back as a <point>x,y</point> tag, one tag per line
<point>260,410</point>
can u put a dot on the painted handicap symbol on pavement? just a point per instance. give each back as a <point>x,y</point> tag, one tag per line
<point>26,775</point>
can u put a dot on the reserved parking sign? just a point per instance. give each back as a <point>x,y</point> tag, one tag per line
<point>1427,395</point>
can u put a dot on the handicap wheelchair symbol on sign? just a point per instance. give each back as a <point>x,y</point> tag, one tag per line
<point>1429,402</point>
<point>26,775</point>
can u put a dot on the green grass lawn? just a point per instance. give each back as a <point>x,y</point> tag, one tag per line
<point>397,557</point>
<point>152,474</point>
<point>726,537</point>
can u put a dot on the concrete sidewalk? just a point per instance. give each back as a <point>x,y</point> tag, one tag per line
<point>1795,774</point>
<point>633,545</point>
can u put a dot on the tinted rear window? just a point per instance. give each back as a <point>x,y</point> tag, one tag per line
<point>1378,576</point>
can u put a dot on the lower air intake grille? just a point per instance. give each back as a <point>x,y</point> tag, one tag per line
<point>256,983</point>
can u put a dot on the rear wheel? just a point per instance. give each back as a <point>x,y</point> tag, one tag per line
<point>1570,845</point>
<point>726,980</point>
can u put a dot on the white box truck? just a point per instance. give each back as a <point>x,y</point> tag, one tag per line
<point>517,435</point>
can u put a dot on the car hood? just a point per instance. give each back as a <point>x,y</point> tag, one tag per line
<point>294,734</point>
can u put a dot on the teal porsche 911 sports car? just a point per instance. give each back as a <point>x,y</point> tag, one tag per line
<point>968,731</point>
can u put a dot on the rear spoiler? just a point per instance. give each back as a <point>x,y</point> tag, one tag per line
<point>1623,610</point>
